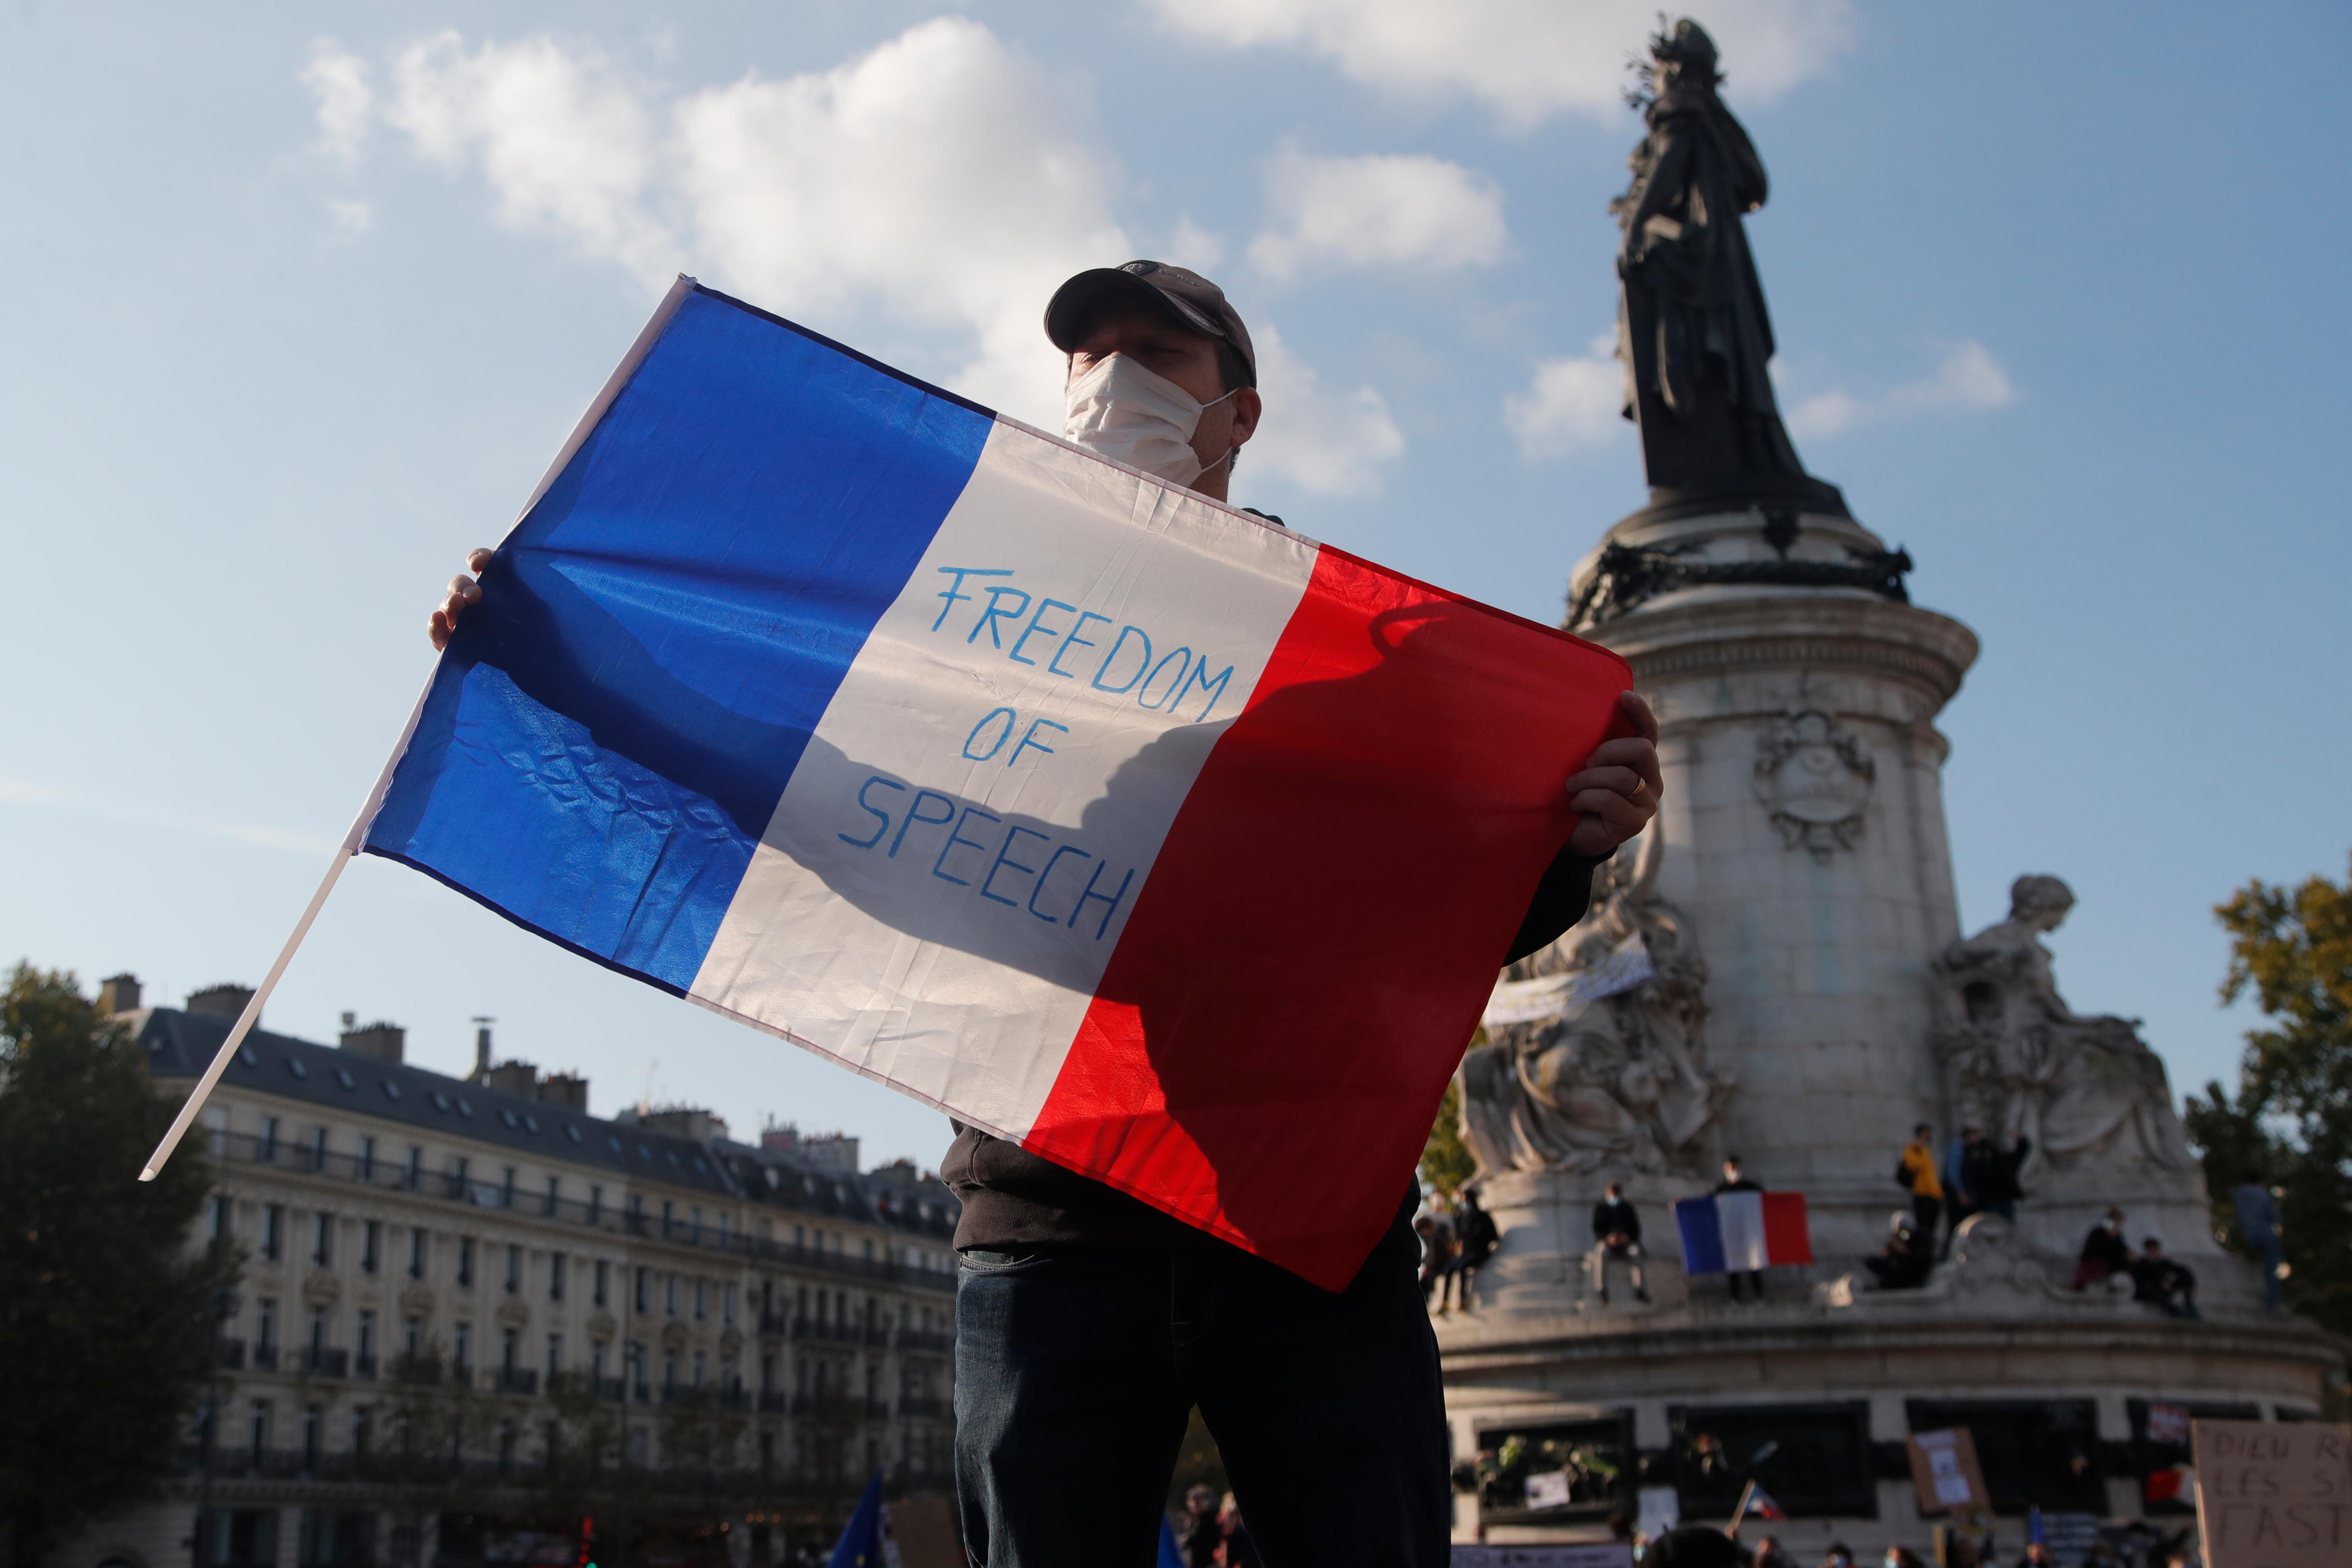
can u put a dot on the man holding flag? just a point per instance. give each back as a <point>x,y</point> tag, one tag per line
<point>1090,1322</point>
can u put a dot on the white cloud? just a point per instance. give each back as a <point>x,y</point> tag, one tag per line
<point>1571,405</point>
<point>566,144</point>
<point>1525,59</point>
<point>1968,380</point>
<point>347,220</point>
<point>1194,247</point>
<point>942,178</point>
<point>1331,443</point>
<point>933,190</point>
<point>1377,211</point>
<point>346,102</point>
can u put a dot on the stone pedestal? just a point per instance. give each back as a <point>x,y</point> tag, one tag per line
<point>1802,855</point>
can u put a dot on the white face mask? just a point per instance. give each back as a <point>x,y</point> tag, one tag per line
<point>1119,410</point>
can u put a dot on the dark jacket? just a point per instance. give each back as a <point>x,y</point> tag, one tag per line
<point>2160,1279</point>
<point>2105,1246</point>
<point>1615,1214</point>
<point>1990,1174</point>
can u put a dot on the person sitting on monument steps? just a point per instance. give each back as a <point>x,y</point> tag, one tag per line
<point>1905,1262</point>
<point>2105,1252</point>
<point>1917,1171</point>
<point>1616,1233</point>
<point>2160,1281</point>
<point>1088,1324</point>
<point>1474,1241</point>
<point>1733,1181</point>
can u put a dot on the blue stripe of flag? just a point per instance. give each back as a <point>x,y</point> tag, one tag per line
<point>1702,1232</point>
<point>611,729</point>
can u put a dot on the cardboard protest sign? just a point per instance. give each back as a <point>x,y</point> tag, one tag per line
<point>2273,1495</point>
<point>1945,1470</point>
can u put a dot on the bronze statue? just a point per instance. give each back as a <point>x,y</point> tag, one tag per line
<point>1692,329</point>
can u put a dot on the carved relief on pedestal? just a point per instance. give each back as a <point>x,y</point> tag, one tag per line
<point>1814,780</point>
<point>2085,1091</point>
<point>1597,1049</point>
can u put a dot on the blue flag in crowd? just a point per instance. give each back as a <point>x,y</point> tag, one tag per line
<point>861,1543</point>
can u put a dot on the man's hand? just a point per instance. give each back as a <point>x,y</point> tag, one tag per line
<point>465,591</point>
<point>1617,789</point>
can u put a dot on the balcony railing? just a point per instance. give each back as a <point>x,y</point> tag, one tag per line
<point>775,1323</point>
<point>265,1358</point>
<point>244,1148</point>
<point>362,1366</point>
<point>517,1380</point>
<point>320,1360</point>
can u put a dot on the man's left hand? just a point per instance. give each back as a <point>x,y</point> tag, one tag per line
<point>1616,792</point>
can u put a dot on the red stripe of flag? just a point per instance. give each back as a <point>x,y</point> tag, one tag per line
<point>1788,1240</point>
<point>1323,924</point>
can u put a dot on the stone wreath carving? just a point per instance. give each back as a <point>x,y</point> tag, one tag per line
<point>1814,780</point>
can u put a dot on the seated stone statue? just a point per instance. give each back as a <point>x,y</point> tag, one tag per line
<point>2082,1088</point>
<point>1596,1048</point>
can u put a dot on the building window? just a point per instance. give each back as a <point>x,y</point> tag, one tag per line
<point>636,1214</point>
<point>668,1209</point>
<point>413,1336</point>
<point>507,1190</point>
<point>461,1186</point>
<point>669,1295</point>
<point>514,1269</point>
<point>273,1231</point>
<point>644,1287</point>
<point>363,1430</point>
<point>217,1220</point>
<point>217,1133</point>
<point>604,1280</point>
<point>318,1335</point>
<point>726,1228</point>
<point>554,1356</point>
<point>869,1249</point>
<point>461,1349</point>
<point>323,1238</point>
<point>701,1302</point>
<point>265,1148</point>
<point>554,1195</point>
<point>701,1363</point>
<point>727,1303</point>
<point>556,1277</point>
<point>417,1253</point>
<point>366,1169</point>
<point>314,1417</point>
<point>371,1247</point>
<point>259,1438</point>
<point>597,1360</point>
<point>465,1260</point>
<point>669,1370</point>
<point>510,1348</point>
<point>767,1374</point>
<point>694,1224</point>
<point>800,1237</point>
<point>412,1175</point>
<point>265,1327</point>
<point>363,1342</point>
<point>595,1205</point>
<point>318,1151</point>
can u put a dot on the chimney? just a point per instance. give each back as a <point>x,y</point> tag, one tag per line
<point>221,1001</point>
<point>568,1090</point>
<point>383,1041</point>
<point>481,1050</point>
<point>685,1121</point>
<point>510,1077</point>
<point>119,993</point>
<point>831,1151</point>
<point>782,1136</point>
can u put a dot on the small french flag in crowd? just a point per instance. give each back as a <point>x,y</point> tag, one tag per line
<point>1739,1231</point>
<point>1168,843</point>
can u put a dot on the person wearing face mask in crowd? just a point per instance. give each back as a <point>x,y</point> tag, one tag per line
<point>1089,1323</point>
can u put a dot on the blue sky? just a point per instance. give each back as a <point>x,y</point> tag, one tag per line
<point>299,300</point>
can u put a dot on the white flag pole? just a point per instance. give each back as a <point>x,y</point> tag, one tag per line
<point>344,851</point>
<point>1739,1510</point>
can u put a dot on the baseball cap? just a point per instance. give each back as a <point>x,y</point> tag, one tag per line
<point>1187,299</point>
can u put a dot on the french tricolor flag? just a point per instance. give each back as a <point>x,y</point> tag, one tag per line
<point>1739,1231</point>
<point>1160,839</point>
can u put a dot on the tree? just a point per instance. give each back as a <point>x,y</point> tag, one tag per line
<point>2290,1125</point>
<point>107,1314</point>
<point>1445,1160</point>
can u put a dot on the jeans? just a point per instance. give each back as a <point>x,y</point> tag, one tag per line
<point>1076,1372</point>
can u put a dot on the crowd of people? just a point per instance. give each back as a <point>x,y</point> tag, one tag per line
<point>1211,1535</point>
<point>2138,1545</point>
